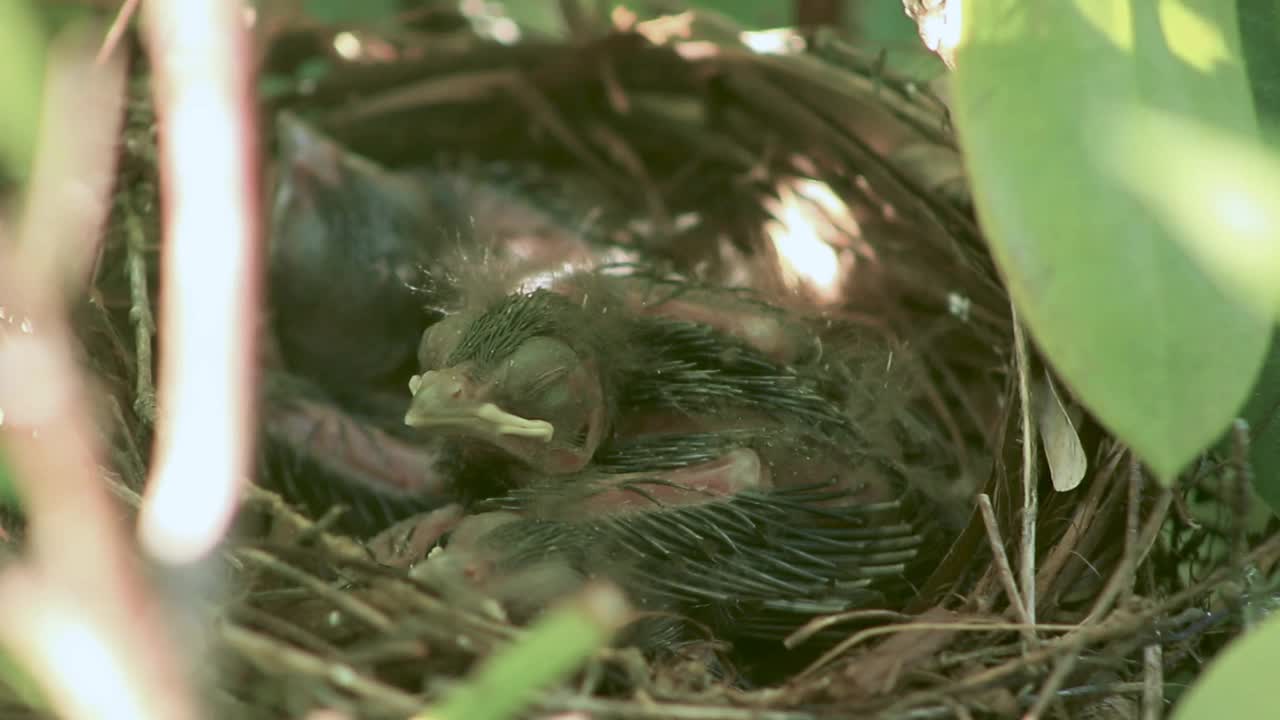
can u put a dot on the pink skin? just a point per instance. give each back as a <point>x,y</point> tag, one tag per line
<point>409,540</point>
<point>732,473</point>
<point>778,340</point>
<point>356,451</point>
<point>723,477</point>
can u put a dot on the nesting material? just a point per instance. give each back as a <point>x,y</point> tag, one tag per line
<point>828,189</point>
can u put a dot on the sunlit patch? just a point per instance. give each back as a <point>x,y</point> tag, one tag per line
<point>959,305</point>
<point>663,30</point>
<point>797,231</point>
<point>99,680</point>
<point>353,48</point>
<point>940,29</point>
<point>683,222</point>
<point>505,31</point>
<point>347,45</point>
<point>544,280</point>
<point>1241,213</point>
<point>697,50</point>
<point>525,247</point>
<point>783,41</point>
<point>487,20</point>
<point>836,210</point>
<point>623,18</point>
<point>1193,38</point>
<point>1216,196</point>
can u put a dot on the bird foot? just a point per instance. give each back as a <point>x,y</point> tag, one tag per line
<point>409,541</point>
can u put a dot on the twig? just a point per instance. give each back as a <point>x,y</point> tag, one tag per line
<point>132,456</point>
<point>118,26</point>
<point>554,122</point>
<point>285,629</point>
<point>1030,499</point>
<point>817,625</point>
<point>963,625</point>
<point>1003,572</point>
<point>272,656</point>
<point>1049,690</point>
<point>1152,682</point>
<point>1088,634</point>
<point>1132,518</point>
<point>345,602</point>
<point>1240,480</point>
<point>144,323</point>
<point>632,710</point>
<point>1137,545</point>
<point>120,489</point>
<point>578,22</point>
<point>338,546</point>
<point>1085,514</point>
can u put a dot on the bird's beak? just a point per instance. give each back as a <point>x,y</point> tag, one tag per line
<point>447,398</point>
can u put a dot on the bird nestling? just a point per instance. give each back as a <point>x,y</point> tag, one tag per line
<point>360,259</point>
<point>676,456</point>
<point>551,377</point>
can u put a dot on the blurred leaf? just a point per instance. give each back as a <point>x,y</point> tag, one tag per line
<point>1260,39</point>
<point>1263,415</point>
<point>1150,340</point>
<point>537,17</point>
<point>1219,197</point>
<point>339,12</point>
<point>1240,682</point>
<point>553,648</point>
<point>750,14</point>
<point>17,679</point>
<point>8,482</point>
<point>22,48</point>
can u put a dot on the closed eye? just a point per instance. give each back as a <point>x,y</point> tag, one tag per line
<point>540,384</point>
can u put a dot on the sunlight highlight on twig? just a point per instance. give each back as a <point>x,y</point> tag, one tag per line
<point>210,274</point>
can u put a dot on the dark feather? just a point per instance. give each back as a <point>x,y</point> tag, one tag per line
<point>786,554</point>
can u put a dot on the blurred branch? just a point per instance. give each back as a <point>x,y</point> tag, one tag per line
<point>78,607</point>
<point>812,13</point>
<point>201,61</point>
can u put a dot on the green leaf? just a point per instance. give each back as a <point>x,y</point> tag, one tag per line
<point>14,677</point>
<point>1262,412</point>
<point>338,12</point>
<point>1240,682</point>
<point>556,646</point>
<point>22,48</point>
<point>1144,280</point>
<point>1260,38</point>
<point>8,483</point>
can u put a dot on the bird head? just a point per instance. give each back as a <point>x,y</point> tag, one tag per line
<point>344,256</point>
<point>516,377</point>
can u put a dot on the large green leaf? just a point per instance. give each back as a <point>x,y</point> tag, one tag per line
<point>22,46</point>
<point>1240,683</point>
<point>1145,280</point>
<point>1262,412</point>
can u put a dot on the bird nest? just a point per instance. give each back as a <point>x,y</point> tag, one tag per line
<point>718,159</point>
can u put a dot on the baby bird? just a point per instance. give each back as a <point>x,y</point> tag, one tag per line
<point>672,455</point>
<point>552,377</point>
<point>360,258</point>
